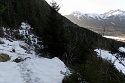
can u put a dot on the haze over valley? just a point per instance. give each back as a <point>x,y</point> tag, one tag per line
<point>44,42</point>
<point>111,23</point>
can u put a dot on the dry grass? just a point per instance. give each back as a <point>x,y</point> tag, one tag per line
<point>4,57</point>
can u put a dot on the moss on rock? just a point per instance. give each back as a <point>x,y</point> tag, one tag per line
<point>4,57</point>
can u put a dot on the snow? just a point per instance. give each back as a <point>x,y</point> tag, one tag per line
<point>106,15</point>
<point>115,38</point>
<point>26,33</point>
<point>115,13</point>
<point>9,73</point>
<point>122,49</point>
<point>31,70</point>
<point>78,14</point>
<point>112,23</point>
<point>118,63</point>
<point>94,15</point>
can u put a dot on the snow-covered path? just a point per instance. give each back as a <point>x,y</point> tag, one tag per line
<point>31,70</point>
<point>9,73</point>
<point>26,73</point>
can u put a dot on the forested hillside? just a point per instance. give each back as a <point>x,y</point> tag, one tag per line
<point>61,38</point>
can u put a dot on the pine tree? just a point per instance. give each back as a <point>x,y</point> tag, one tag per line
<point>53,34</point>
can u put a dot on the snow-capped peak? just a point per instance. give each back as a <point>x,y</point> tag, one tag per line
<point>78,14</point>
<point>115,13</point>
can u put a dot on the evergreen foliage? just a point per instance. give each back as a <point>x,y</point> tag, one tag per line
<point>75,45</point>
<point>2,9</point>
<point>83,60</point>
<point>95,70</point>
<point>30,11</point>
<point>53,34</point>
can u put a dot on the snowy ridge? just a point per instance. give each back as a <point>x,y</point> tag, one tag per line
<point>106,15</point>
<point>79,15</point>
<point>32,69</point>
<point>115,13</point>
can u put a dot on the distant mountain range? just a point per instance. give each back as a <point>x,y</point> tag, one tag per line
<point>109,23</point>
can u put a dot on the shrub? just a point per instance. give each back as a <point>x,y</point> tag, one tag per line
<point>2,8</point>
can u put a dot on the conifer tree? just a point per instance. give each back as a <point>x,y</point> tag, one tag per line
<point>53,33</point>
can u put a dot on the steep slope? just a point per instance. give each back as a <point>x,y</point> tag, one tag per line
<point>33,12</point>
<point>30,70</point>
<point>118,62</point>
<point>80,45</point>
<point>112,21</point>
<point>25,66</point>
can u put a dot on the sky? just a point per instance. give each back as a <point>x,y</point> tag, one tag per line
<point>89,6</point>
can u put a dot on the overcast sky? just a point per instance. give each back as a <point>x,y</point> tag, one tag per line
<point>89,6</point>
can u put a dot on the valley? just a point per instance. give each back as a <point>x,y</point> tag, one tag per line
<point>40,45</point>
<point>110,23</point>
